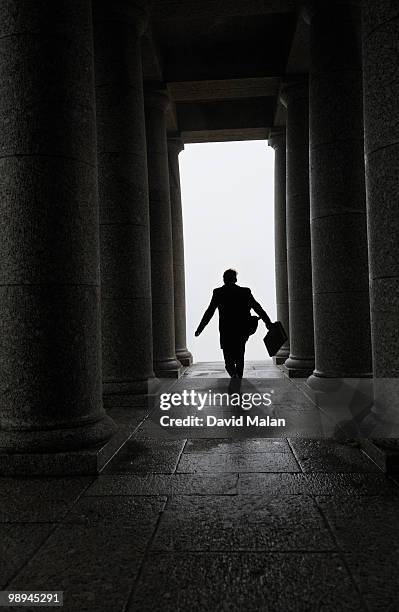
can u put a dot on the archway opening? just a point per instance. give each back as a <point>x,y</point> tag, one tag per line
<point>228,216</point>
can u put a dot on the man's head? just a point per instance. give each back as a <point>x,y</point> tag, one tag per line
<point>230,277</point>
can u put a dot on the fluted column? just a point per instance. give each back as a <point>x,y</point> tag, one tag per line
<point>295,96</point>
<point>338,199</point>
<point>50,347</point>
<point>124,207</point>
<point>163,316</point>
<point>381,117</point>
<point>175,146</point>
<point>278,142</point>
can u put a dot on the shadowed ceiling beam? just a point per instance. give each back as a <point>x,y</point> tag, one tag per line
<point>225,135</point>
<point>193,9</point>
<point>237,114</point>
<point>189,91</point>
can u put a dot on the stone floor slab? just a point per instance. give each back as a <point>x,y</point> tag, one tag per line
<point>35,500</point>
<point>331,456</point>
<point>264,373</point>
<point>317,484</point>
<point>224,384</point>
<point>193,463</point>
<point>273,484</point>
<point>155,432</point>
<point>228,523</point>
<point>291,399</point>
<point>146,457</point>
<point>94,566</point>
<point>165,484</point>
<point>365,524</point>
<point>204,374</point>
<point>41,510</point>
<point>50,488</point>
<point>18,543</point>
<point>376,576</point>
<point>127,512</point>
<point>250,582</point>
<point>303,422</point>
<point>257,523</point>
<point>152,429</point>
<point>210,448</point>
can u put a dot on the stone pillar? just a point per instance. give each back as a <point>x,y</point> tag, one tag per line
<point>277,141</point>
<point>338,199</point>
<point>175,146</point>
<point>163,316</point>
<point>381,118</point>
<point>50,347</point>
<point>124,208</point>
<point>295,96</point>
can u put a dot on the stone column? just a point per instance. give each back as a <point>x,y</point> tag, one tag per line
<point>277,141</point>
<point>163,316</point>
<point>381,117</point>
<point>175,146</point>
<point>295,96</point>
<point>124,208</point>
<point>50,347</point>
<point>338,199</point>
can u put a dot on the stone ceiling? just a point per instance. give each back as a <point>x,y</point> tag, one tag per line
<point>223,62</point>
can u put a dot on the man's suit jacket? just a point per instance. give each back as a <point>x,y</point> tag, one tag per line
<point>234,304</point>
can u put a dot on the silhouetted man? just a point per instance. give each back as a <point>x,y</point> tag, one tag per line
<point>234,304</point>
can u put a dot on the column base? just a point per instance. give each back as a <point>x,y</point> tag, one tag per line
<point>76,463</point>
<point>185,357</point>
<point>330,384</point>
<point>298,368</point>
<point>282,356</point>
<point>168,368</point>
<point>135,393</point>
<point>72,437</point>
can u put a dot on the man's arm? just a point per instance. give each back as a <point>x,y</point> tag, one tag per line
<point>259,311</point>
<point>209,312</point>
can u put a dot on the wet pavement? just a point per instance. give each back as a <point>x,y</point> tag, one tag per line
<point>210,523</point>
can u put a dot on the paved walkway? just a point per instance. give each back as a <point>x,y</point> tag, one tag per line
<point>209,524</point>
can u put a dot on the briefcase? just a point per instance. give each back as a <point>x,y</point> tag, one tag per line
<point>275,338</point>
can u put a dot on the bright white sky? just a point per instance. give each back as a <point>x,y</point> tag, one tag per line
<point>227,194</point>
